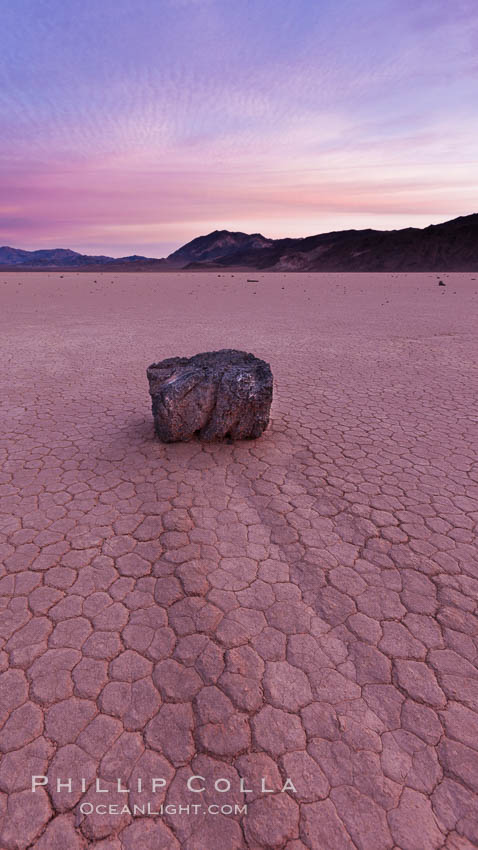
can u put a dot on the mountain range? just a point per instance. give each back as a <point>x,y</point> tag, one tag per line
<point>451,246</point>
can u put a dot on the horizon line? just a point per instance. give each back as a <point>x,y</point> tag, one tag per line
<point>255,233</point>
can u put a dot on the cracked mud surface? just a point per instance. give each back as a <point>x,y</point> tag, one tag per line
<point>303,605</point>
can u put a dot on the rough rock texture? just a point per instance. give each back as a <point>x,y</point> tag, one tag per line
<point>213,395</point>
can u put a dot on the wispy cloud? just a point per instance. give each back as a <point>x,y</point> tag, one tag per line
<point>128,124</point>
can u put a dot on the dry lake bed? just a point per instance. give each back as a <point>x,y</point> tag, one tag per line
<point>282,633</point>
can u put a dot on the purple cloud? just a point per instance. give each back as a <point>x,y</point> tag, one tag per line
<point>129,125</point>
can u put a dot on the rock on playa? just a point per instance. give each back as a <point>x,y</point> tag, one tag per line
<point>214,395</point>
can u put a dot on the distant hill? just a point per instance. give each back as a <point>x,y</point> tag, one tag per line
<point>63,258</point>
<point>218,246</point>
<point>451,246</point>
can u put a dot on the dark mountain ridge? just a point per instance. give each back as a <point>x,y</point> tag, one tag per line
<point>217,246</point>
<point>450,246</point>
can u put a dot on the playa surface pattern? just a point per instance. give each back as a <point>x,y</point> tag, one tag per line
<point>302,606</point>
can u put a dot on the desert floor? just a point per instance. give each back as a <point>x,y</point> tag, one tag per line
<point>302,606</point>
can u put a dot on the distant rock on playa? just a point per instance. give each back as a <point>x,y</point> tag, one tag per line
<point>216,395</point>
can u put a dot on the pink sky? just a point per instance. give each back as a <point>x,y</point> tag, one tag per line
<point>134,128</point>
